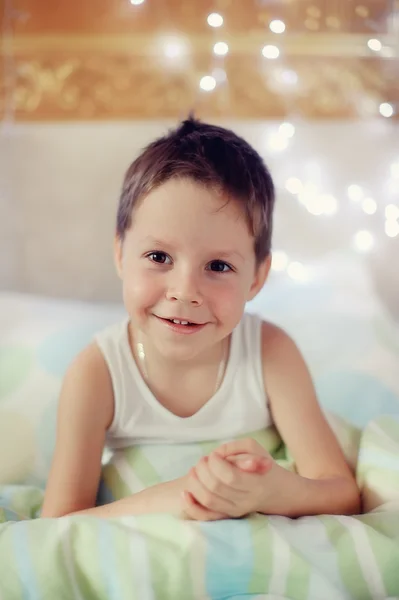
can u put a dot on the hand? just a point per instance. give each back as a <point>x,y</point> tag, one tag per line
<point>250,463</point>
<point>228,482</point>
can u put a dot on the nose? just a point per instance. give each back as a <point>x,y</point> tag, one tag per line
<point>184,287</point>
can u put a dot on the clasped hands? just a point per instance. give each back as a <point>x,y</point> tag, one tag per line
<point>228,483</point>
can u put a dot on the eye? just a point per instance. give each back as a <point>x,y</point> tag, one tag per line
<point>160,258</point>
<point>219,266</point>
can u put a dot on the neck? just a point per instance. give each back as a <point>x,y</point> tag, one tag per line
<point>169,367</point>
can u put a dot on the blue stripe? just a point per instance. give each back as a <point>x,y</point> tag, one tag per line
<point>6,495</point>
<point>25,571</point>
<point>229,558</point>
<point>108,562</point>
<point>378,458</point>
<point>104,494</point>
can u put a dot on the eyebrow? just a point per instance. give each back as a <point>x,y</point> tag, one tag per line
<point>219,254</point>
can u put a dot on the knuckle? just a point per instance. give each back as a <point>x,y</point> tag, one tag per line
<point>208,499</point>
<point>229,477</point>
<point>214,486</point>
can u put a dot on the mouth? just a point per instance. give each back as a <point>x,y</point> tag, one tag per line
<point>182,325</point>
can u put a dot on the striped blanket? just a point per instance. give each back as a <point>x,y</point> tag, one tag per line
<point>154,557</point>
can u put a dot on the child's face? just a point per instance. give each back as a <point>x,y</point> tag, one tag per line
<point>188,255</point>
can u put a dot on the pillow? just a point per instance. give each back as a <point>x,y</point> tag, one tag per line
<point>39,337</point>
<point>130,470</point>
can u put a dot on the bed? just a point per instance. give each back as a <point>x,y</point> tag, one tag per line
<point>351,343</point>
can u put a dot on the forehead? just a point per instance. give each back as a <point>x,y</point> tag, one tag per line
<point>189,208</point>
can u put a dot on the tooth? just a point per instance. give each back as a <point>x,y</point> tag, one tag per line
<point>176,321</point>
<point>184,322</point>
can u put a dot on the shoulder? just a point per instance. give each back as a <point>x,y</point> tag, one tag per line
<point>90,361</point>
<point>274,336</point>
<point>278,347</point>
<point>87,383</point>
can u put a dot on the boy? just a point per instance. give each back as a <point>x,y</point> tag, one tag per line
<point>192,246</point>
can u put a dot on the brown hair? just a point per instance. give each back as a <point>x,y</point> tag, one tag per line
<point>212,156</point>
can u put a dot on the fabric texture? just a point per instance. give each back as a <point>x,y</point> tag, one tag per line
<point>160,557</point>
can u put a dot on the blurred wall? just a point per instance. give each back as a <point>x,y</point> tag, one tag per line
<point>59,187</point>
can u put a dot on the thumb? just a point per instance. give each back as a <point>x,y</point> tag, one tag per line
<point>259,464</point>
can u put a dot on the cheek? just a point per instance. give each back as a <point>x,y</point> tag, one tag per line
<point>140,290</point>
<point>229,297</point>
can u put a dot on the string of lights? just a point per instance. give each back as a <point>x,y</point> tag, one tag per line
<point>308,194</point>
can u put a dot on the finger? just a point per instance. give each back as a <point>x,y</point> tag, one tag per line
<point>244,446</point>
<point>226,472</point>
<point>259,465</point>
<point>205,497</point>
<point>246,461</point>
<point>193,510</point>
<point>211,482</point>
<point>239,485</point>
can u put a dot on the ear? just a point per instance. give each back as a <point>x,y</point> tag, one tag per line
<point>118,254</point>
<point>261,274</point>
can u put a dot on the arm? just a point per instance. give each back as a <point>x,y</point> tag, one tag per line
<point>324,482</point>
<point>85,412</point>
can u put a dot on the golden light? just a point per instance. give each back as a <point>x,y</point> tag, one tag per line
<point>277,26</point>
<point>363,241</point>
<point>386,110</point>
<point>374,45</point>
<point>279,260</point>
<point>297,272</point>
<point>392,228</point>
<point>207,83</point>
<point>270,51</point>
<point>220,48</point>
<point>294,185</point>
<point>287,129</point>
<point>215,20</point>
<point>355,193</point>
<point>391,212</point>
<point>369,205</point>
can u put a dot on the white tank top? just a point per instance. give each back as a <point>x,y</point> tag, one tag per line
<point>238,407</point>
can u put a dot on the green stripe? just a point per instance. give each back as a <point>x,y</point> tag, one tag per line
<point>79,553</point>
<point>389,426</point>
<point>170,547</point>
<point>262,555</point>
<point>86,557</point>
<point>122,539</point>
<point>382,483</point>
<point>143,469</point>
<point>348,563</point>
<point>115,483</point>
<point>298,577</point>
<point>385,522</point>
<point>51,574</point>
<point>27,501</point>
<point>386,553</point>
<point>386,438</point>
<point>10,581</point>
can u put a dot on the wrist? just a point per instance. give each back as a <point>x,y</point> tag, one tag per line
<point>297,496</point>
<point>276,486</point>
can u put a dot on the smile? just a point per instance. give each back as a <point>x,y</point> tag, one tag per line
<point>180,325</point>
